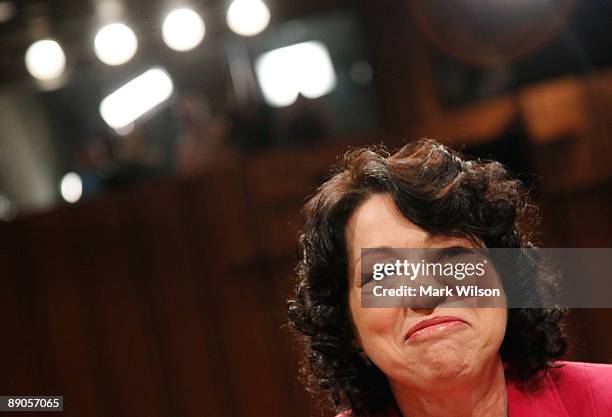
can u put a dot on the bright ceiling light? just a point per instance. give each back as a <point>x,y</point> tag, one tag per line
<point>122,107</point>
<point>45,60</point>
<point>248,17</point>
<point>71,187</point>
<point>183,29</point>
<point>305,68</point>
<point>115,44</point>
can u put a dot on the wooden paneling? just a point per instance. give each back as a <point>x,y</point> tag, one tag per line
<point>60,320</point>
<point>16,356</point>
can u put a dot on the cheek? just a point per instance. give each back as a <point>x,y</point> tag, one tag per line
<point>492,323</point>
<point>373,326</point>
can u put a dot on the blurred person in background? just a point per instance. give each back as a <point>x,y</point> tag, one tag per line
<point>205,137</point>
<point>303,122</point>
<point>133,160</point>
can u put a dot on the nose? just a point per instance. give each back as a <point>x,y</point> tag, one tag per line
<point>424,302</point>
<point>426,299</point>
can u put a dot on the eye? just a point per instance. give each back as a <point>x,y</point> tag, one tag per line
<point>453,251</point>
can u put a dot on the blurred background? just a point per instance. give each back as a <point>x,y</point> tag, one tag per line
<point>154,156</point>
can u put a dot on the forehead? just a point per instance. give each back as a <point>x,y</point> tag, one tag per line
<point>377,222</point>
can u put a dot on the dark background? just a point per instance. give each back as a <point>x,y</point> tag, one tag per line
<point>162,291</point>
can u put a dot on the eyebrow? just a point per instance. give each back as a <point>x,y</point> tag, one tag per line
<point>390,249</point>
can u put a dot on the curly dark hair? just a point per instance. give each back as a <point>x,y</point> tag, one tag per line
<point>441,191</point>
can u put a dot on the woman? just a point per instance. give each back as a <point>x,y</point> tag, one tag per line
<point>433,360</point>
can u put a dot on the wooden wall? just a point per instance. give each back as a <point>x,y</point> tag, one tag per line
<point>167,299</point>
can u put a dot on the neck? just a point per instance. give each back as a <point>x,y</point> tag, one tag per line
<point>483,396</point>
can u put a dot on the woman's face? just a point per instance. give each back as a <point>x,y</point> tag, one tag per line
<point>439,355</point>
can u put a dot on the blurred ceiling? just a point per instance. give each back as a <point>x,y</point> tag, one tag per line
<point>73,24</point>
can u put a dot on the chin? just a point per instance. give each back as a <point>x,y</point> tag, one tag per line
<point>445,369</point>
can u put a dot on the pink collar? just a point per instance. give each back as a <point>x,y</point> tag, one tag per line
<point>538,401</point>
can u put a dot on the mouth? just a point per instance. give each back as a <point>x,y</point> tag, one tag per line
<point>434,326</point>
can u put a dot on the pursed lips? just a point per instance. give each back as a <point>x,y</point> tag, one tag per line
<point>433,324</point>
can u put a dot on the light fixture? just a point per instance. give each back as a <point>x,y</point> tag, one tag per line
<point>71,187</point>
<point>304,68</point>
<point>137,97</point>
<point>248,17</point>
<point>45,60</point>
<point>183,29</point>
<point>115,44</point>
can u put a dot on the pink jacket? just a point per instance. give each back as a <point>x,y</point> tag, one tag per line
<point>575,389</point>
